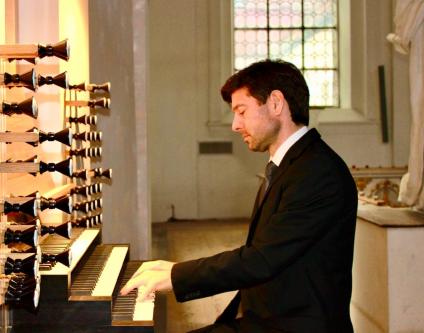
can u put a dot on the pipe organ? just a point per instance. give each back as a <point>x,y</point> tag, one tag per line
<point>53,263</point>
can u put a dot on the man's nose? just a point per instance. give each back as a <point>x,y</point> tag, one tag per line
<point>237,124</point>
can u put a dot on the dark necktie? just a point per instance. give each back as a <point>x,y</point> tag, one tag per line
<point>269,173</point>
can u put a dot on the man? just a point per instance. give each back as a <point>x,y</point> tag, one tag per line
<point>294,272</point>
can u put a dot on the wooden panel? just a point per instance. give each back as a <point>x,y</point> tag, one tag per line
<point>19,137</point>
<point>18,51</point>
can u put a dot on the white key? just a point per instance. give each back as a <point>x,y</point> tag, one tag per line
<point>143,310</point>
<point>110,273</point>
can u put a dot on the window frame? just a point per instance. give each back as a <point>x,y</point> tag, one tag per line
<point>302,28</point>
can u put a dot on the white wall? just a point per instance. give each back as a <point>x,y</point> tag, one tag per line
<point>118,54</point>
<point>173,108</point>
<point>360,142</point>
<point>185,66</point>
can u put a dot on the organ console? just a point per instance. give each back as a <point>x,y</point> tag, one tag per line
<point>59,268</point>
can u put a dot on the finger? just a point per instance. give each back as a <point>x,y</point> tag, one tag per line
<point>132,284</point>
<point>126,289</point>
<point>145,292</point>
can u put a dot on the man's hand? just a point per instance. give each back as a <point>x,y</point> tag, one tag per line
<point>153,275</point>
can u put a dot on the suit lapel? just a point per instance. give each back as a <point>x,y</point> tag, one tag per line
<point>292,154</point>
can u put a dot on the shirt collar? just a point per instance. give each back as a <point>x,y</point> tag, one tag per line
<point>286,145</point>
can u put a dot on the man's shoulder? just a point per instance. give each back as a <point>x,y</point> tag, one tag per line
<point>320,160</point>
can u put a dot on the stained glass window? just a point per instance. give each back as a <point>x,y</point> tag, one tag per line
<point>303,32</point>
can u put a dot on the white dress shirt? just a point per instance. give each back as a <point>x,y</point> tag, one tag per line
<point>285,146</point>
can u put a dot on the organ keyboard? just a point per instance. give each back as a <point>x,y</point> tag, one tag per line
<point>85,296</point>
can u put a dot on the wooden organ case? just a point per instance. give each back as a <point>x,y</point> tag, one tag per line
<point>56,275</point>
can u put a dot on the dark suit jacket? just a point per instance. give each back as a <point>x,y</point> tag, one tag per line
<point>294,272</point>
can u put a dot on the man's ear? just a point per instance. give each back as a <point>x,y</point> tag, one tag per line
<point>277,101</point>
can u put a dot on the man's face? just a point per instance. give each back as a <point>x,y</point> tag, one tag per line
<point>255,122</point>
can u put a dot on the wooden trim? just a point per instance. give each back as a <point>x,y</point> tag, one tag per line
<point>19,51</point>
<point>19,137</point>
<point>19,167</point>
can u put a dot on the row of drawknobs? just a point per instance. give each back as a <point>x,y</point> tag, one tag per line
<point>32,81</point>
<point>29,106</point>
<point>33,52</point>
<point>65,167</point>
<point>63,203</point>
<point>34,136</point>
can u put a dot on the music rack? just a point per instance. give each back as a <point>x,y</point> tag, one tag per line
<point>63,284</point>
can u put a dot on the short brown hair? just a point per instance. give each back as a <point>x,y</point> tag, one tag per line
<point>261,78</point>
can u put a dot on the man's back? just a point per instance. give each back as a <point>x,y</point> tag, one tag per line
<point>304,229</point>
